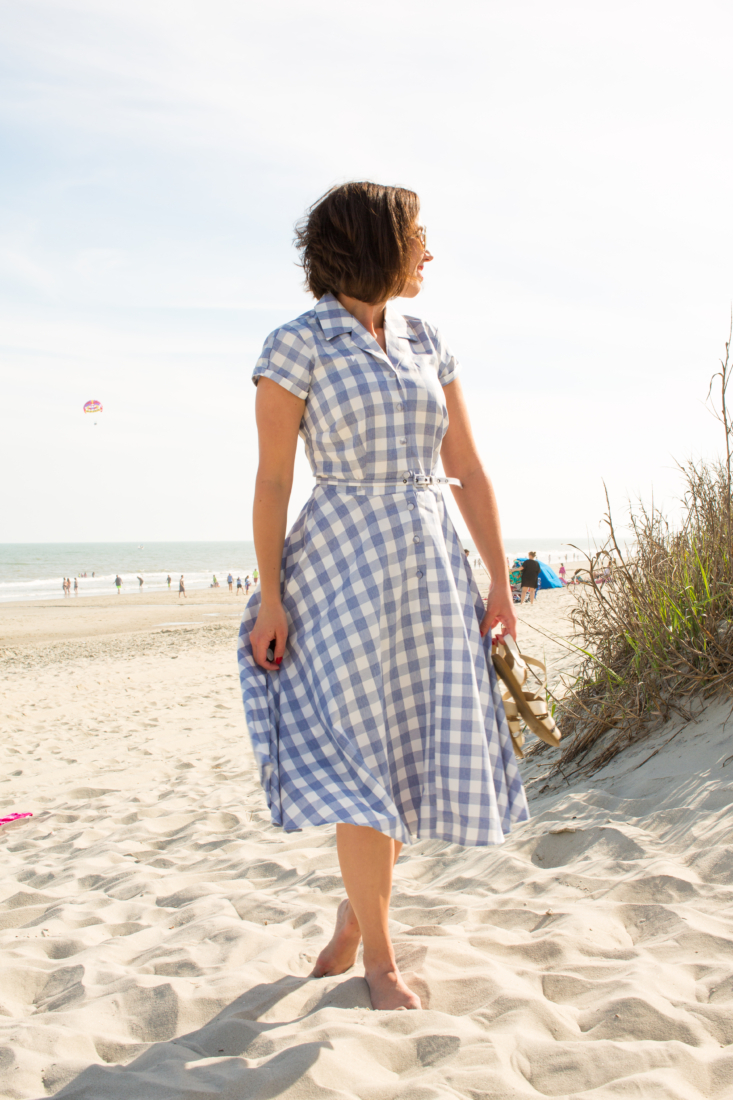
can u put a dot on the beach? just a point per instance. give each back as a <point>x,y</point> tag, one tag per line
<point>157,933</point>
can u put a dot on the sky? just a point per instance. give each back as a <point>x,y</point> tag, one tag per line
<point>573,162</point>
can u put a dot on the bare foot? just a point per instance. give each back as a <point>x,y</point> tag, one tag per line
<point>340,954</point>
<point>388,991</point>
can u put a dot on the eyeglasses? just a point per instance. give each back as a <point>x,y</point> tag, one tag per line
<point>421,235</point>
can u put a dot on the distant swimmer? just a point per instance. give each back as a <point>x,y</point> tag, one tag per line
<point>181,588</point>
<point>141,582</point>
<point>169,580</point>
<point>230,581</point>
<point>118,582</point>
<point>239,585</point>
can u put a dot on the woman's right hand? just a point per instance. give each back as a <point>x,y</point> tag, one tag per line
<point>271,623</point>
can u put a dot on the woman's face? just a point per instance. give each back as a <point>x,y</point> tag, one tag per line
<point>419,256</point>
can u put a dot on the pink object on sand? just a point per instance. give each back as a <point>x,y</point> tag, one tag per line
<point>13,817</point>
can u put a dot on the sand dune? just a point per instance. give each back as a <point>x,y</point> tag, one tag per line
<point>156,933</point>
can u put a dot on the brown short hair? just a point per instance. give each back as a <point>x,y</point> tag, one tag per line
<point>355,240</point>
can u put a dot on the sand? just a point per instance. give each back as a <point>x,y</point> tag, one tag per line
<point>156,932</point>
<point>102,616</point>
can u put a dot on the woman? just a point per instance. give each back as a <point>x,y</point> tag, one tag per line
<point>365,657</point>
<point>530,577</point>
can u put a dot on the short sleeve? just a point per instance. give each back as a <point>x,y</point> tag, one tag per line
<point>286,358</point>
<point>448,365</point>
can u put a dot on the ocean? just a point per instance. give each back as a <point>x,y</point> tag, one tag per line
<point>34,571</point>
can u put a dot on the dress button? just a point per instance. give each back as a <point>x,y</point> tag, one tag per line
<point>400,407</point>
<point>410,506</point>
<point>416,538</point>
<point>403,441</point>
<point>418,574</point>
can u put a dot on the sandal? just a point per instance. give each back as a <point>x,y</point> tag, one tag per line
<point>531,706</point>
<point>511,713</point>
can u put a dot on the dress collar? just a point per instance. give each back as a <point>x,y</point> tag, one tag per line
<point>397,324</point>
<point>335,320</point>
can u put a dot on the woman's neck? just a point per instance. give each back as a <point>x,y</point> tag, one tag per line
<point>369,315</point>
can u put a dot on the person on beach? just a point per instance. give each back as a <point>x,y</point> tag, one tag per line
<point>181,588</point>
<point>141,583</point>
<point>562,572</point>
<point>230,581</point>
<point>239,585</point>
<point>118,583</point>
<point>377,708</point>
<point>76,587</point>
<point>169,580</point>
<point>255,576</point>
<point>530,577</point>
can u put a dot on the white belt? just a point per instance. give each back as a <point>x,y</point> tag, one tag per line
<point>420,480</point>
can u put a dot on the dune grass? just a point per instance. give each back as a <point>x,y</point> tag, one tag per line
<point>656,639</point>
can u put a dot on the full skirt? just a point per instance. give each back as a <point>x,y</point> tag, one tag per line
<point>386,710</point>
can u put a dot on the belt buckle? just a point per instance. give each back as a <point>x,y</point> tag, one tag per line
<point>422,479</point>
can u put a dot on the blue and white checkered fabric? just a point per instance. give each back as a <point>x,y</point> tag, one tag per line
<point>386,711</point>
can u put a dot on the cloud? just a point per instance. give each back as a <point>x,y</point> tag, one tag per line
<point>571,161</point>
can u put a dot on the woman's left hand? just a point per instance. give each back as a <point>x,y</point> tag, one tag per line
<point>500,609</point>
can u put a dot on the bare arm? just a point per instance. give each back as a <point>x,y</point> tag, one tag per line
<point>279,414</point>
<point>477,503</point>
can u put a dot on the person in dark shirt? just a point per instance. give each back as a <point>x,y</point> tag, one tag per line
<point>530,576</point>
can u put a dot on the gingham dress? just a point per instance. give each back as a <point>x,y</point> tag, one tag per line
<point>385,711</point>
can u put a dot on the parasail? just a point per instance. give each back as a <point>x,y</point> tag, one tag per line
<point>93,407</point>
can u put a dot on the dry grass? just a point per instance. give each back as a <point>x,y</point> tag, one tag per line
<point>656,640</point>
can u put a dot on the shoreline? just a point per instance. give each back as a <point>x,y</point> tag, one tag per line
<point>15,590</point>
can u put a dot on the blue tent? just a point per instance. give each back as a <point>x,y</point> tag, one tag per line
<point>548,576</point>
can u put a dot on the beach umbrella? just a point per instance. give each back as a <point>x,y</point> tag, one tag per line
<point>548,576</point>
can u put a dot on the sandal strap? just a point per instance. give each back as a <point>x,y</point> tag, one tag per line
<point>536,663</point>
<point>538,707</point>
